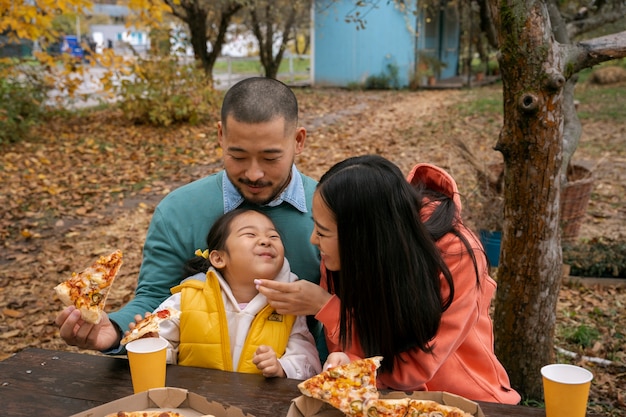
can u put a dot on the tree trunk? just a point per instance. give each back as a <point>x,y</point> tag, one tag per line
<point>196,21</point>
<point>263,24</point>
<point>538,79</point>
<point>195,16</point>
<point>531,143</point>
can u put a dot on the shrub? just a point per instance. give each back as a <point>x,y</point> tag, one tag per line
<point>23,91</point>
<point>384,81</point>
<point>596,258</point>
<point>582,335</point>
<point>162,92</point>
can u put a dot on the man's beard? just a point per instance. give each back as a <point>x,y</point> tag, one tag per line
<point>253,198</point>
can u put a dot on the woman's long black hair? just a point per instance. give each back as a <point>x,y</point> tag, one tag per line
<point>389,282</point>
<point>445,219</point>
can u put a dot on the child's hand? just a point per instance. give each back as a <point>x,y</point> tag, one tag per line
<point>266,361</point>
<point>132,326</point>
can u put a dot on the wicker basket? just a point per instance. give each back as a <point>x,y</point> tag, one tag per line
<point>575,197</point>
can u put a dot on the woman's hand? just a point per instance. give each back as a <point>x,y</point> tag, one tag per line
<point>300,298</point>
<point>335,359</point>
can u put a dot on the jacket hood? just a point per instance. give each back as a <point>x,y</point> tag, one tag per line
<point>436,179</point>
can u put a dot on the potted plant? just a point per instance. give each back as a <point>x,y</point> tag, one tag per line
<point>490,213</point>
<point>429,68</point>
<point>487,206</point>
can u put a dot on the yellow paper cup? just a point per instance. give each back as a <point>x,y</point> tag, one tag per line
<point>566,390</point>
<point>147,363</point>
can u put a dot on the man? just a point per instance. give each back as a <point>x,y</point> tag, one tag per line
<point>260,138</point>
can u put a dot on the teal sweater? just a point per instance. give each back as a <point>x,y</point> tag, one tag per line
<point>180,225</point>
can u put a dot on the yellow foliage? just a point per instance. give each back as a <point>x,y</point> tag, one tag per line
<point>147,13</point>
<point>32,19</point>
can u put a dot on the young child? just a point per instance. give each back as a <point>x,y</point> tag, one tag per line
<point>225,323</point>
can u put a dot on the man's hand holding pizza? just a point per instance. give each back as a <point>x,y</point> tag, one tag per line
<point>83,323</point>
<point>77,332</point>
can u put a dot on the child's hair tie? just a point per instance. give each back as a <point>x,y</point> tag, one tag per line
<point>202,253</point>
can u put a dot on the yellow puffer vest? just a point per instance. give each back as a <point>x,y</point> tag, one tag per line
<point>204,339</point>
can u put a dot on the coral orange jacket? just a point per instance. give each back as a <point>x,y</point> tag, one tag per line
<point>463,361</point>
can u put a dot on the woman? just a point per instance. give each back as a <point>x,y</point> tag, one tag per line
<point>405,280</point>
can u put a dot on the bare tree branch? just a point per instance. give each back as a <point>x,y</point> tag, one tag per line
<point>586,54</point>
<point>595,21</point>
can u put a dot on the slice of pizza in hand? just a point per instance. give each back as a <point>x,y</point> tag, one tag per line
<point>346,387</point>
<point>88,290</point>
<point>150,324</point>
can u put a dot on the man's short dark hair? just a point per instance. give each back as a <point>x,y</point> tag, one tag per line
<point>260,100</point>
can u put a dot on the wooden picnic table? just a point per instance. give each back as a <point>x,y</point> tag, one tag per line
<point>40,382</point>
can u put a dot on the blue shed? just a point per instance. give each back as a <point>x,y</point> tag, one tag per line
<point>395,35</point>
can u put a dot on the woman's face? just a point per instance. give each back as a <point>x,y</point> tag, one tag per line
<point>324,234</point>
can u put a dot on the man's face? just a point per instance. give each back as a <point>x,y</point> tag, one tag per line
<point>258,157</point>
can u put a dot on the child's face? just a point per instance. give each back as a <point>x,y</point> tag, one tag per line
<point>253,249</point>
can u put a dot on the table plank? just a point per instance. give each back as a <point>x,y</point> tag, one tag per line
<point>39,382</point>
<point>19,403</point>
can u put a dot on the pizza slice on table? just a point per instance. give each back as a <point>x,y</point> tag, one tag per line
<point>409,407</point>
<point>88,290</point>
<point>151,413</point>
<point>150,324</point>
<point>346,387</point>
<point>387,408</point>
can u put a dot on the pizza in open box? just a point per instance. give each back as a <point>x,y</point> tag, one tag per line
<point>408,407</point>
<point>351,388</point>
<point>156,413</point>
<point>345,387</point>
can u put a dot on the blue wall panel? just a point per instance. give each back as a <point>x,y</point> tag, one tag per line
<point>344,55</point>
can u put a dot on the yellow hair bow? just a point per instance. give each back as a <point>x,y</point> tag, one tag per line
<point>204,253</point>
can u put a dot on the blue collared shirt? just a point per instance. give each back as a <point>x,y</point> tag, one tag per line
<point>293,194</point>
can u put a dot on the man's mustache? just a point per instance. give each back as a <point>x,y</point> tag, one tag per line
<point>254,183</point>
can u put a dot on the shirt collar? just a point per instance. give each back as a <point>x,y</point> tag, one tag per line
<point>293,194</point>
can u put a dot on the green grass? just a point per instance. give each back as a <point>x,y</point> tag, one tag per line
<point>489,102</point>
<point>583,335</point>
<point>597,102</point>
<point>601,102</point>
<point>252,65</point>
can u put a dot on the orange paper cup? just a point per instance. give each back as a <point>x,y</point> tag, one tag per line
<point>147,363</point>
<point>566,390</point>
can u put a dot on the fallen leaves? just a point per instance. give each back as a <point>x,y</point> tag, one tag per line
<point>90,183</point>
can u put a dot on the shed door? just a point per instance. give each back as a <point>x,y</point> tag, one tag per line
<point>441,38</point>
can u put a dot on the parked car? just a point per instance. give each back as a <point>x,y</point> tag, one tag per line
<point>71,45</point>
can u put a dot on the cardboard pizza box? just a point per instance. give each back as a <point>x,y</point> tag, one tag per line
<point>166,399</point>
<point>308,407</point>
